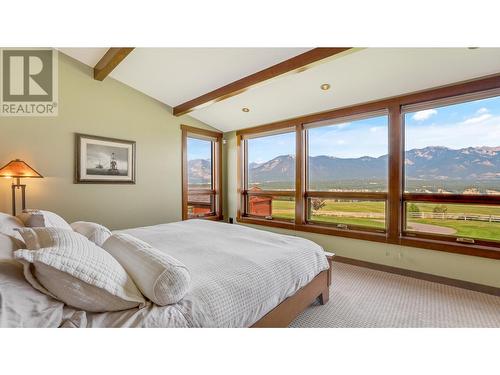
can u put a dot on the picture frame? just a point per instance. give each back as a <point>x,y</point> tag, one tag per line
<point>103,160</point>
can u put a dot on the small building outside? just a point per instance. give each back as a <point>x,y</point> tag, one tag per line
<point>258,205</point>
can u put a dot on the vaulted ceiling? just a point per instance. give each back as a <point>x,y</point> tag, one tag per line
<point>177,75</point>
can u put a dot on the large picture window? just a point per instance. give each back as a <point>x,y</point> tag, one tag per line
<point>347,161</point>
<point>452,161</point>
<point>270,176</point>
<point>419,170</point>
<point>201,173</point>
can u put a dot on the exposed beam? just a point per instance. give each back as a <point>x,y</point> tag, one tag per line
<point>110,61</point>
<point>237,87</point>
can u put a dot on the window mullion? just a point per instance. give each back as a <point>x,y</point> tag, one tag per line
<point>299,175</point>
<point>394,202</point>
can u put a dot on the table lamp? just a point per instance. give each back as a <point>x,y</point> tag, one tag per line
<point>18,169</point>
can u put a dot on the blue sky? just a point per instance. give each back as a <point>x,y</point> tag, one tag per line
<point>199,149</point>
<point>469,124</point>
<point>458,126</point>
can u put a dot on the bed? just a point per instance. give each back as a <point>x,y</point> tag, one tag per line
<point>240,277</point>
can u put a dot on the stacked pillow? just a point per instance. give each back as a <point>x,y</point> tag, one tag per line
<point>85,266</point>
<point>10,239</point>
<point>40,218</point>
<point>94,232</point>
<point>67,266</point>
<point>9,224</point>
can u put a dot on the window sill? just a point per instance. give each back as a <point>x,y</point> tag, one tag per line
<point>214,218</point>
<point>451,247</point>
<point>446,246</point>
<point>320,229</point>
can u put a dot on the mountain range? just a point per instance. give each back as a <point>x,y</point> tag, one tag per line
<point>199,171</point>
<point>429,163</point>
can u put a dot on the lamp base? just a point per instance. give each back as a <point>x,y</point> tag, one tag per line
<point>23,196</point>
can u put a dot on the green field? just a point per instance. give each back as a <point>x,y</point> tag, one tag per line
<point>379,185</point>
<point>286,210</point>
<point>462,208</point>
<point>374,207</point>
<point>475,229</point>
<point>371,223</point>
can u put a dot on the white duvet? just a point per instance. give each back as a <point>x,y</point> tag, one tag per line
<point>238,274</point>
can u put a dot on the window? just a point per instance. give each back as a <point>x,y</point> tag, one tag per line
<point>347,162</point>
<point>419,170</point>
<point>270,176</point>
<point>201,168</point>
<point>271,162</point>
<point>452,161</point>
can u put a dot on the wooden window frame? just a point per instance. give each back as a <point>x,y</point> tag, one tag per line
<point>395,199</point>
<point>216,191</point>
<point>367,196</point>
<point>245,192</point>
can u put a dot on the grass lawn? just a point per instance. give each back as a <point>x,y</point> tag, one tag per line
<point>475,229</point>
<point>364,206</point>
<point>286,210</point>
<point>372,223</point>
<point>462,208</point>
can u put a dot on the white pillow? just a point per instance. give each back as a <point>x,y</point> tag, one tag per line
<point>22,305</point>
<point>75,271</point>
<point>8,245</point>
<point>40,218</point>
<point>94,232</point>
<point>160,277</point>
<point>9,224</point>
<point>37,238</point>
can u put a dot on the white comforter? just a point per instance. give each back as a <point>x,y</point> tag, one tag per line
<point>238,274</point>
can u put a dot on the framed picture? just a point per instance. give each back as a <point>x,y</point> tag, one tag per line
<point>101,160</point>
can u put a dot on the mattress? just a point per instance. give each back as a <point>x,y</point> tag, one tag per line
<point>238,274</point>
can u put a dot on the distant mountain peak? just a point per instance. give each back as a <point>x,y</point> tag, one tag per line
<point>428,163</point>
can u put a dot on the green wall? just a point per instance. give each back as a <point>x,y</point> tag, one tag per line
<point>109,109</point>
<point>456,266</point>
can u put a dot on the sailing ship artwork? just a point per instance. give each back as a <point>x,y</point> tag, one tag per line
<point>105,160</point>
<point>108,167</point>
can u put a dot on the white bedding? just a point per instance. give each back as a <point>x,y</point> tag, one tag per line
<point>238,274</point>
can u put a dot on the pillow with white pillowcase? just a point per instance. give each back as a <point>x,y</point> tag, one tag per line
<point>96,233</point>
<point>160,277</point>
<point>9,244</point>
<point>9,224</point>
<point>68,267</point>
<point>40,218</point>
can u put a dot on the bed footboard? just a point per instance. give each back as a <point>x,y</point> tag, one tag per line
<point>283,314</point>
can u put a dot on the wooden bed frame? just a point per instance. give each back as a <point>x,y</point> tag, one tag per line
<point>283,314</point>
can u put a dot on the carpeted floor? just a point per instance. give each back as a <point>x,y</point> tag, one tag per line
<point>361,297</point>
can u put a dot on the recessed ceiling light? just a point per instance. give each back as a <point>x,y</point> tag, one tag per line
<point>325,86</point>
<point>245,109</point>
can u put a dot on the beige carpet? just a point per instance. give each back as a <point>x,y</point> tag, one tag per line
<point>361,297</point>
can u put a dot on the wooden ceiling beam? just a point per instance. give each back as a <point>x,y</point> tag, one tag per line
<point>295,63</point>
<point>110,61</point>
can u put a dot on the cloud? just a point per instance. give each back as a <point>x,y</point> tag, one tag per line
<point>482,110</point>
<point>424,115</point>
<point>477,119</point>
<point>375,129</point>
<point>474,132</point>
<point>341,142</point>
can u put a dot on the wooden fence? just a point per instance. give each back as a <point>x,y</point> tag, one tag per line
<point>454,216</point>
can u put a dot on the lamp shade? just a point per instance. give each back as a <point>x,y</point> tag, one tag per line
<point>18,169</point>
